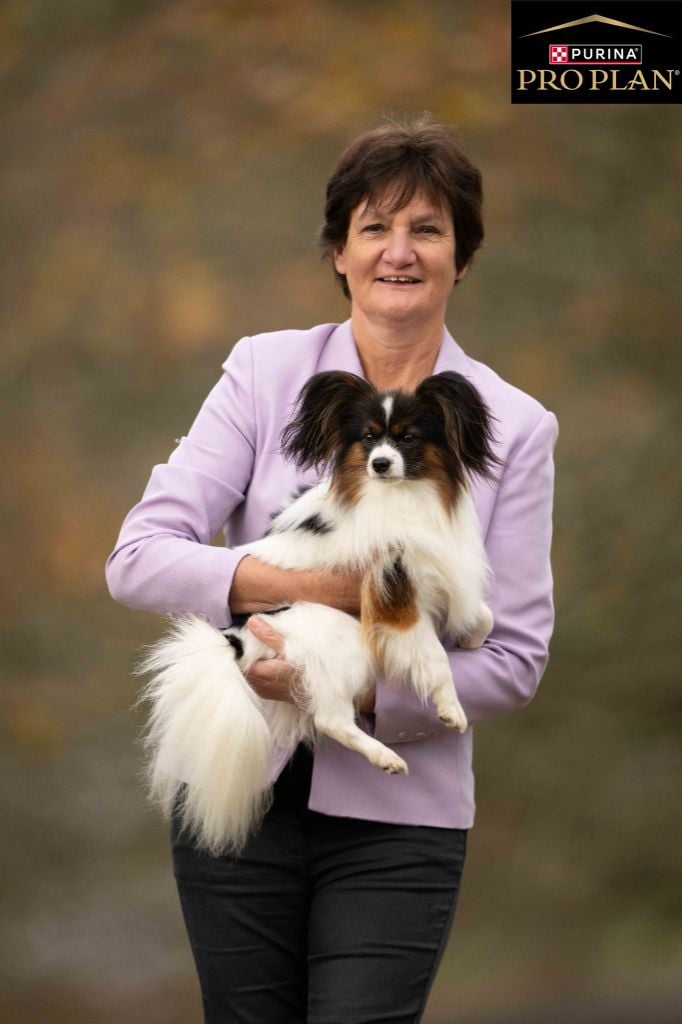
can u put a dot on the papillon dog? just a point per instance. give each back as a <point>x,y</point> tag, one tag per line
<point>394,505</point>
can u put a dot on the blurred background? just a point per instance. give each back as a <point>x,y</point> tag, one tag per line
<point>163,170</point>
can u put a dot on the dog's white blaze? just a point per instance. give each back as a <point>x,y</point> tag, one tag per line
<point>388,407</point>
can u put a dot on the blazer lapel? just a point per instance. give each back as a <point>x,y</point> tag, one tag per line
<point>451,356</point>
<point>340,351</point>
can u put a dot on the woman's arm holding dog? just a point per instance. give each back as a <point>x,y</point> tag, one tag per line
<point>503,675</point>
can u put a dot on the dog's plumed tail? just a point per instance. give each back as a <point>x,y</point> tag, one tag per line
<point>216,773</point>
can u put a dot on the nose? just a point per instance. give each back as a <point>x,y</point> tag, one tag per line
<point>380,464</point>
<point>399,251</point>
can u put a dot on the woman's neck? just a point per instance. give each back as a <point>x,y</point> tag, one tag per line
<point>394,356</point>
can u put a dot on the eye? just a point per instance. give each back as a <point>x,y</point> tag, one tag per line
<point>373,229</point>
<point>427,229</point>
<point>370,437</point>
<point>408,438</point>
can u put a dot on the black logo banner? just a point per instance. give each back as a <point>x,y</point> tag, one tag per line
<point>596,51</point>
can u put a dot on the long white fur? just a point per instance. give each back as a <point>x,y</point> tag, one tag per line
<point>211,738</point>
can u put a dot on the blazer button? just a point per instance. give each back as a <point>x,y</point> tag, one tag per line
<point>422,735</point>
<point>403,735</point>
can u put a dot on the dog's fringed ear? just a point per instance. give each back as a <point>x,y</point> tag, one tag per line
<point>466,418</point>
<point>324,404</point>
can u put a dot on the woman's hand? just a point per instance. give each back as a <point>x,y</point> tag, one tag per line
<point>258,587</point>
<point>272,678</point>
<point>275,678</point>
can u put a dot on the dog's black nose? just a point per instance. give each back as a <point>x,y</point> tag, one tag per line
<point>380,465</point>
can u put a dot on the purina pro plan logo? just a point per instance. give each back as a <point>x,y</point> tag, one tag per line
<point>596,52</point>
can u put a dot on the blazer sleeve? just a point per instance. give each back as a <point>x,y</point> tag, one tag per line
<point>503,674</point>
<point>164,561</point>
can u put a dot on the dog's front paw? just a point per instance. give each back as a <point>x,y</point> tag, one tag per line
<point>452,715</point>
<point>389,762</point>
<point>472,641</point>
<point>477,636</point>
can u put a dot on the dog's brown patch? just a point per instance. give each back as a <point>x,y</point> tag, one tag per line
<point>400,427</point>
<point>448,488</point>
<point>388,599</point>
<point>350,475</point>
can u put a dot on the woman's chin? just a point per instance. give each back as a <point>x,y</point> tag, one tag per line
<point>397,306</point>
<point>405,312</point>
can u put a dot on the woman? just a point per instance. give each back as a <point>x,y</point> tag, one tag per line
<point>340,906</point>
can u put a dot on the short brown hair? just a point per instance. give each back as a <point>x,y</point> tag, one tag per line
<point>403,159</point>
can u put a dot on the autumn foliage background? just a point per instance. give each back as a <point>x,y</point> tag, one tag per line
<point>163,168</point>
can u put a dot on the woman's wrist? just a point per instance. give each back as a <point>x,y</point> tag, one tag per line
<point>336,589</point>
<point>256,587</point>
<point>259,587</point>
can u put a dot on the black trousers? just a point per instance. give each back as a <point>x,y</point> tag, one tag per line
<point>321,920</point>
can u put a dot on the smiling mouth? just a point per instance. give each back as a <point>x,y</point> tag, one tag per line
<point>399,279</point>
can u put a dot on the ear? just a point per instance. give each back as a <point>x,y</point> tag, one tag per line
<point>459,274</point>
<point>323,405</point>
<point>339,257</point>
<point>466,419</point>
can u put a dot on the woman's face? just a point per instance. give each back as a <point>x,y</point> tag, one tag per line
<point>400,266</point>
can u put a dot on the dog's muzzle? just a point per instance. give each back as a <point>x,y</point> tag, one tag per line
<point>385,463</point>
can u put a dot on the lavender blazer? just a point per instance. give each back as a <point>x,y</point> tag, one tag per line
<point>227,473</point>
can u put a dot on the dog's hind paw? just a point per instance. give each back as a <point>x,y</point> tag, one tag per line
<point>390,763</point>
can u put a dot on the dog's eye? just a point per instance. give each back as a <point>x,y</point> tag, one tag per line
<point>408,438</point>
<point>369,436</point>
